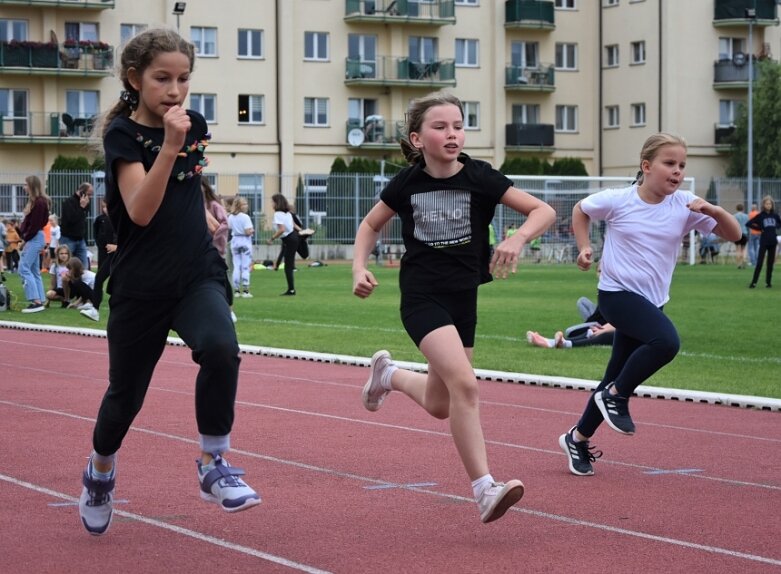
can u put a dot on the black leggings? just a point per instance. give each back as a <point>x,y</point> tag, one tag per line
<point>645,340</point>
<point>289,248</point>
<point>137,332</point>
<point>771,259</point>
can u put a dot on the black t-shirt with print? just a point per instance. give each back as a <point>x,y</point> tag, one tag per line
<point>444,225</point>
<point>165,257</point>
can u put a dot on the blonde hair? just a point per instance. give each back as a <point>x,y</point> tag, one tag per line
<point>416,113</point>
<point>772,203</point>
<point>652,146</point>
<point>238,204</point>
<point>57,253</point>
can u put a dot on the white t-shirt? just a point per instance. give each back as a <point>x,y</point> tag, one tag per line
<point>57,271</point>
<point>643,240</point>
<point>238,224</point>
<point>55,237</point>
<point>89,278</point>
<point>285,219</point>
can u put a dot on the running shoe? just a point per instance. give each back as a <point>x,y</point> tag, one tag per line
<point>220,484</point>
<point>96,501</point>
<point>615,410</point>
<point>580,455</point>
<point>373,392</point>
<point>497,498</point>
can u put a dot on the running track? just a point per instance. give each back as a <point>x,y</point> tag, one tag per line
<point>698,489</point>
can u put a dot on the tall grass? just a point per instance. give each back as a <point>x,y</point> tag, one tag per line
<point>730,334</point>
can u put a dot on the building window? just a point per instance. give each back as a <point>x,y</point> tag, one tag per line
<point>316,46</point>
<point>81,31</point>
<point>611,56</point>
<point>467,3</point>
<point>14,109</point>
<point>524,54</point>
<point>316,112</point>
<point>82,103</point>
<point>471,115</point>
<point>467,53</point>
<point>612,119</point>
<point>728,47</point>
<point>206,105</point>
<point>13,30</point>
<point>251,188</point>
<point>251,109</point>
<point>566,118</point>
<point>361,56</point>
<point>204,40</point>
<point>565,4</point>
<point>526,113</point>
<point>728,110</point>
<point>566,56</point>
<point>638,52</point>
<point>423,49</point>
<point>250,43</point>
<point>638,114</point>
<point>127,31</point>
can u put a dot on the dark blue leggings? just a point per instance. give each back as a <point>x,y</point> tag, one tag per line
<point>645,341</point>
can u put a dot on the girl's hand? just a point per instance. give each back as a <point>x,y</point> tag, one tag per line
<point>699,205</point>
<point>505,259</point>
<point>585,258</point>
<point>176,123</point>
<point>363,283</point>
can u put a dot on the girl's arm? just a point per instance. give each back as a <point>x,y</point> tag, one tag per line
<point>211,221</point>
<point>727,226</point>
<point>580,226</point>
<point>539,217</point>
<point>365,240</point>
<point>143,192</point>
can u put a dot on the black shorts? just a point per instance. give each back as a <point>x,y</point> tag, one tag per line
<point>742,241</point>
<point>422,313</point>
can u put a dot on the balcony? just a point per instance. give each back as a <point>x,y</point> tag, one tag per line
<point>723,137</point>
<point>536,79</point>
<point>529,137</point>
<point>45,127</point>
<point>393,71</point>
<point>85,4</point>
<point>426,13</point>
<point>733,74</point>
<point>48,58</point>
<point>529,15</point>
<point>733,13</point>
<point>374,133</point>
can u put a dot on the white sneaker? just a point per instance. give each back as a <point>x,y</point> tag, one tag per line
<point>90,312</point>
<point>220,484</point>
<point>247,295</point>
<point>96,501</point>
<point>498,498</point>
<point>233,316</point>
<point>373,391</point>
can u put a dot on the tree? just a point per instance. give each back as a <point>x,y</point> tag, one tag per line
<point>766,127</point>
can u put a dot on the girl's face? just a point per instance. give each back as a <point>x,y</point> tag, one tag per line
<point>767,205</point>
<point>441,135</point>
<point>62,256</point>
<point>163,85</point>
<point>664,174</point>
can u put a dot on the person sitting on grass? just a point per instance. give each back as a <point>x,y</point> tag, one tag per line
<point>81,284</point>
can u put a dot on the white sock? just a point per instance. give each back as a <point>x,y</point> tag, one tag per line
<point>385,378</point>
<point>479,485</point>
<point>567,344</point>
<point>551,342</point>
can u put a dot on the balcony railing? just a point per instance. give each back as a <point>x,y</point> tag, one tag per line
<point>374,132</point>
<point>732,73</point>
<point>538,78</point>
<point>432,13</point>
<point>391,70</point>
<point>532,14</point>
<point>733,12</point>
<point>90,4</point>
<point>538,136</point>
<point>44,58</point>
<point>723,134</point>
<point>45,126</point>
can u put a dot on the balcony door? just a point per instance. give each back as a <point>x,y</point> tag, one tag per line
<point>14,112</point>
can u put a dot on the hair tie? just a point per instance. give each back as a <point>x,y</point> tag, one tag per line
<point>130,97</point>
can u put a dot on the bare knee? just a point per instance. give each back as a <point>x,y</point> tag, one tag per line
<point>464,394</point>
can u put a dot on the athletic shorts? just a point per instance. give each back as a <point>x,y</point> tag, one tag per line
<point>742,241</point>
<point>422,313</point>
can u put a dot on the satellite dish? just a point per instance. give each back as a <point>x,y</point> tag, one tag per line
<point>739,59</point>
<point>355,137</point>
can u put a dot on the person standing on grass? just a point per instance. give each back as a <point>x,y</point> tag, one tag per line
<point>241,230</point>
<point>286,228</point>
<point>446,201</point>
<point>740,244</point>
<point>36,215</point>
<point>73,221</point>
<point>645,224</point>
<point>767,222</point>
<point>154,158</point>
<point>217,222</point>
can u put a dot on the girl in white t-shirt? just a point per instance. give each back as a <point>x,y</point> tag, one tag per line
<point>286,228</point>
<point>57,271</point>
<point>645,226</point>
<point>242,230</point>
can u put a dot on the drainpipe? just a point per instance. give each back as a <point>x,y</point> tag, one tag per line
<point>600,90</point>
<point>660,66</point>
<point>277,72</point>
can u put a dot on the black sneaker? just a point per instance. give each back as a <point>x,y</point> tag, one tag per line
<point>615,410</point>
<point>288,293</point>
<point>579,454</point>
<point>33,308</point>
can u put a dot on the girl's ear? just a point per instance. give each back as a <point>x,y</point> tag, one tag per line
<point>134,78</point>
<point>414,139</point>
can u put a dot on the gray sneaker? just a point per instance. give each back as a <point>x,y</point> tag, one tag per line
<point>586,307</point>
<point>96,501</point>
<point>220,484</point>
<point>498,498</point>
<point>373,391</point>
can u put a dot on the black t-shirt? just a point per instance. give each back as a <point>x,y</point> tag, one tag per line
<point>444,225</point>
<point>164,258</point>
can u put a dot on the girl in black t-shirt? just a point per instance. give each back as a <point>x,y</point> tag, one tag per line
<point>154,157</point>
<point>769,223</point>
<point>445,201</point>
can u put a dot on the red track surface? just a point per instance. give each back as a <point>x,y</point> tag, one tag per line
<point>698,489</point>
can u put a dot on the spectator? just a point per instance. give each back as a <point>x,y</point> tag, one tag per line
<point>36,215</point>
<point>740,244</point>
<point>753,237</point>
<point>13,242</point>
<point>767,222</point>
<point>73,221</point>
<point>58,271</point>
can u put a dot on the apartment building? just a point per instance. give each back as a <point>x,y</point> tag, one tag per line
<point>288,85</point>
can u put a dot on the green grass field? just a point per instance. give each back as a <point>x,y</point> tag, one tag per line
<point>729,333</point>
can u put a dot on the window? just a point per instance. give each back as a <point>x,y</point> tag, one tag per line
<point>423,49</point>
<point>467,2</point>
<point>251,109</point>
<point>566,56</point>
<point>251,188</point>
<point>361,56</point>
<point>728,47</point>
<point>638,114</point>
<point>611,56</point>
<point>13,108</point>
<point>611,117</point>
<point>82,103</point>
<point>728,110</point>
<point>526,113</point>
<point>638,52</point>
<point>564,4</point>
<point>13,30</point>
<point>206,105</point>
<point>127,31</point>
<point>81,31</point>
<point>205,40</point>
<point>566,118</point>
<point>467,53</point>
<point>358,109</point>
<point>471,115</point>
<point>13,198</point>
<point>316,46</point>
<point>524,54</point>
<point>316,112</point>
<point>250,43</point>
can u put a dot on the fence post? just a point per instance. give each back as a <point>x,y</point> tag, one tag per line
<point>357,204</point>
